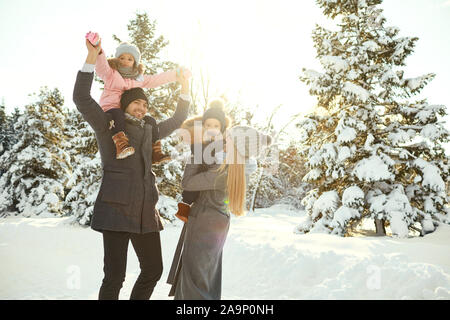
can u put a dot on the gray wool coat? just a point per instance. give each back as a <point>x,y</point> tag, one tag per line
<point>196,271</point>
<point>128,194</point>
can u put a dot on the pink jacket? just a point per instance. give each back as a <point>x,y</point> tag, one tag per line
<point>115,85</point>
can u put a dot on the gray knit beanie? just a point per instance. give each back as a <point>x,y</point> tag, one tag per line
<point>126,47</point>
<point>249,142</point>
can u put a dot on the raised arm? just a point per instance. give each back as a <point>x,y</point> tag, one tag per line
<point>157,80</point>
<point>160,79</point>
<point>104,71</point>
<point>168,126</point>
<point>82,98</point>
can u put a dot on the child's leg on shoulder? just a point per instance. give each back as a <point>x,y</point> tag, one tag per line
<point>118,123</point>
<point>117,127</point>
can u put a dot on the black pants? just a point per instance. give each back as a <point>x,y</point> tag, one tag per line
<point>119,120</point>
<point>148,250</point>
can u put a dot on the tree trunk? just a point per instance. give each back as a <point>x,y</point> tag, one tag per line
<point>379,227</point>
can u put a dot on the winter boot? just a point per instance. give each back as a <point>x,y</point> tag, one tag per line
<point>157,155</point>
<point>183,211</point>
<point>123,148</point>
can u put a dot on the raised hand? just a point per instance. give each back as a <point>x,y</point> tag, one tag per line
<point>183,76</point>
<point>93,51</point>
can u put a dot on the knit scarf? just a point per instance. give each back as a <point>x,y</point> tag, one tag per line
<point>128,72</point>
<point>139,122</point>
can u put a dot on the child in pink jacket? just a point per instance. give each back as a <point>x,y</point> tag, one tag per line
<point>122,73</point>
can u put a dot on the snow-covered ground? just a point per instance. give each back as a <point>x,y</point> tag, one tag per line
<point>48,258</point>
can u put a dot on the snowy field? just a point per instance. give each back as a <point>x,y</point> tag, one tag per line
<point>49,258</point>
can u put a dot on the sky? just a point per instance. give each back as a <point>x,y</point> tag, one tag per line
<point>251,50</point>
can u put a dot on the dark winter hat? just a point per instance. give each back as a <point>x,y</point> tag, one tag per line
<point>130,95</point>
<point>215,111</point>
<point>126,47</point>
<point>249,142</point>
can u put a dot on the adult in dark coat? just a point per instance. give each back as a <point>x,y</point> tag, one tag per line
<point>125,208</point>
<point>196,271</point>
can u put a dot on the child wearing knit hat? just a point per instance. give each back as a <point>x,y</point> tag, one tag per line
<point>249,144</point>
<point>214,122</point>
<point>121,73</point>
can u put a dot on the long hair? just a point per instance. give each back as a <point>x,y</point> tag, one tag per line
<point>236,184</point>
<point>114,64</point>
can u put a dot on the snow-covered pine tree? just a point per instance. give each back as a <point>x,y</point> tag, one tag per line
<point>372,152</point>
<point>37,166</point>
<point>86,164</point>
<point>291,172</point>
<point>8,134</point>
<point>283,185</point>
<point>4,125</point>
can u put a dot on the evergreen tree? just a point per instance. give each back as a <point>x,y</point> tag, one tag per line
<point>372,152</point>
<point>291,173</point>
<point>37,166</point>
<point>4,124</point>
<point>8,137</point>
<point>14,133</point>
<point>84,183</point>
<point>278,178</point>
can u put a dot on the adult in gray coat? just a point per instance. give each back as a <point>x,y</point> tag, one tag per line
<point>196,272</point>
<point>125,206</point>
